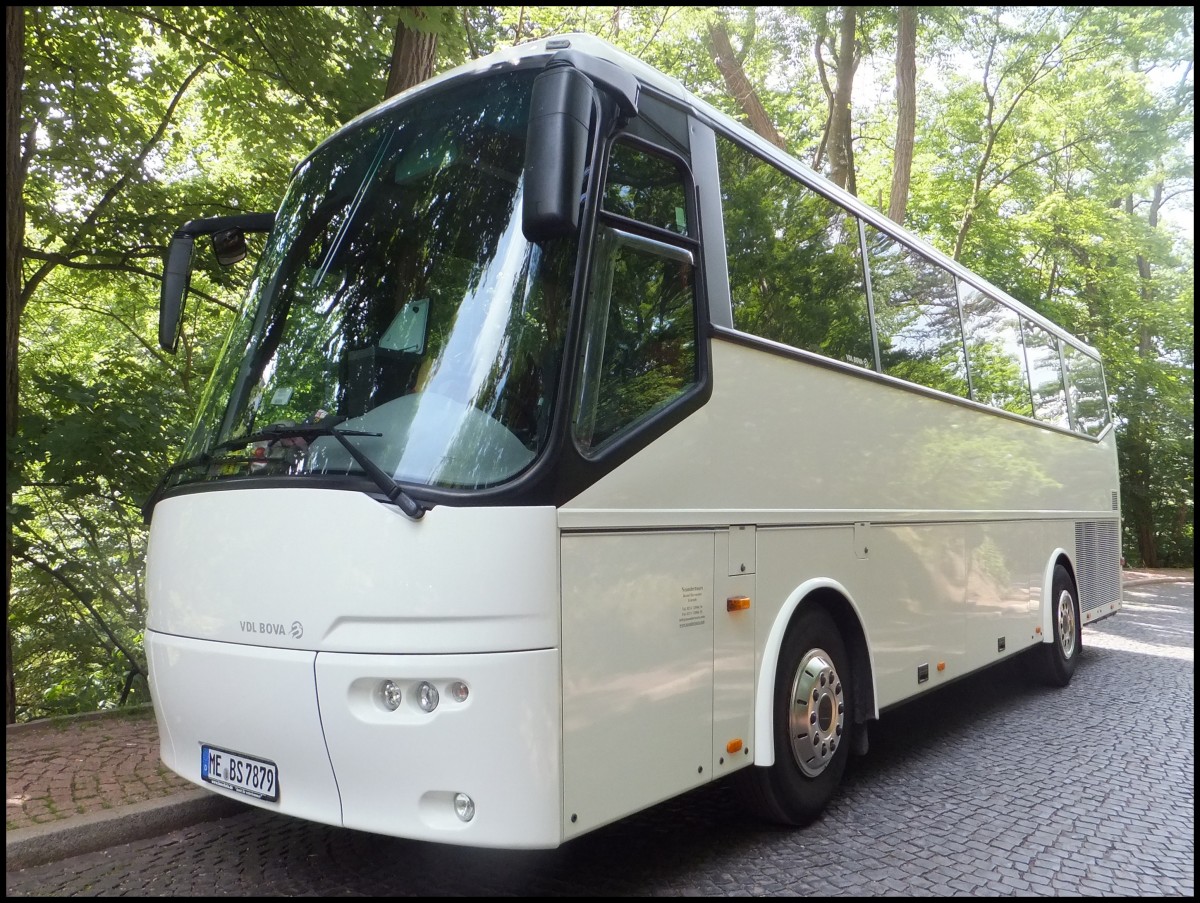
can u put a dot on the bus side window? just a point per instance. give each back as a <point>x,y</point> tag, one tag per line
<point>916,315</point>
<point>1089,403</point>
<point>795,266</point>
<point>1045,375</point>
<point>640,349</point>
<point>640,345</point>
<point>999,376</point>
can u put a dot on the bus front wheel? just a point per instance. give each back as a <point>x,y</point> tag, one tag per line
<point>1060,656</point>
<point>813,719</point>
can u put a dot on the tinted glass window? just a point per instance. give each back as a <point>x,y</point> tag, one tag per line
<point>795,267</point>
<point>1045,375</point>
<point>916,316</point>
<point>398,294</point>
<point>1089,404</point>
<point>640,336</point>
<point>998,374</point>
<point>645,187</point>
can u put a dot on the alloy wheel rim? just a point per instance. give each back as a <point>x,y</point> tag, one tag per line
<point>817,713</point>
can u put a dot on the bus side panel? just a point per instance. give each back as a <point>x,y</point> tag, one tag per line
<point>907,581</point>
<point>1004,565</point>
<point>785,440</point>
<point>637,674</point>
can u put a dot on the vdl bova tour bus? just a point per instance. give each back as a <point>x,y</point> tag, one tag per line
<point>575,447</point>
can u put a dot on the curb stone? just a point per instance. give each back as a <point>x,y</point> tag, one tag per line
<point>41,844</point>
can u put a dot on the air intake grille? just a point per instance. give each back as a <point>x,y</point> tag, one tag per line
<point>1115,505</point>
<point>1098,563</point>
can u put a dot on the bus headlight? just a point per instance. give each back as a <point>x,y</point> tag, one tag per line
<point>464,806</point>
<point>389,695</point>
<point>427,698</point>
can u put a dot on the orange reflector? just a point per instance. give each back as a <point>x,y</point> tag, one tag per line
<point>737,603</point>
<point>733,746</point>
<point>1037,630</point>
<point>941,666</point>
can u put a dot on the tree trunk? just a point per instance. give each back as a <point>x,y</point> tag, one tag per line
<point>413,55</point>
<point>14,180</point>
<point>906,112</point>
<point>739,85</point>
<point>841,151</point>
<point>1140,429</point>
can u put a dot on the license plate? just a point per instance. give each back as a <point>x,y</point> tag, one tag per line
<point>242,774</point>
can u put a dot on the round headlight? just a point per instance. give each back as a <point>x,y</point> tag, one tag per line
<point>427,696</point>
<point>389,694</point>
<point>464,806</point>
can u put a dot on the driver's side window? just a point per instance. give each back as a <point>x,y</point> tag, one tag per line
<point>640,345</point>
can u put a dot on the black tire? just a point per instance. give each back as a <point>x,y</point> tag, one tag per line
<point>806,774</point>
<point>1060,656</point>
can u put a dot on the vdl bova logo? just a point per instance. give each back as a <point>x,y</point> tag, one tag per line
<point>269,628</point>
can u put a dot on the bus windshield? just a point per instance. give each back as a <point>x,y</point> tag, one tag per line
<point>397,294</point>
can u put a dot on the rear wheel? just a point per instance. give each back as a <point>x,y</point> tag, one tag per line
<point>1060,656</point>
<point>812,723</point>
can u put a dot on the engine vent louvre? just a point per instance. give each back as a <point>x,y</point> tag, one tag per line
<point>1098,562</point>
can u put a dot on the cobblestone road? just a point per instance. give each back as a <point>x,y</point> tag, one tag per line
<point>994,786</point>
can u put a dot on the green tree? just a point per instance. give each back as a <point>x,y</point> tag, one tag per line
<point>133,120</point>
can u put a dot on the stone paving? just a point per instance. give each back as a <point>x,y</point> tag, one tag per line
<point>62,768</point>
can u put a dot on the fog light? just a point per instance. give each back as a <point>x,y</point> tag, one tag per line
<point>464,806</point>
<point>427,696</point>
<point>389,694</point>
<point>459,691</point>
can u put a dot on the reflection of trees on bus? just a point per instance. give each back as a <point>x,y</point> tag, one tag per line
<point>796,276</point>
<point>1045,375</point>
<point>916,315</point>
<point>998,374</point>
<point>795,269</point>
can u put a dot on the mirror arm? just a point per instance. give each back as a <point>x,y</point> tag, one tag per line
<point>178,270</point>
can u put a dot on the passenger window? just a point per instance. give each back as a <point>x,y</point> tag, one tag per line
<point>916,316</point>
<point>795,266</point>
<point>640,338</point>
<point>1045,375</point>
<point>998,374</point>
<point>1086,395</point>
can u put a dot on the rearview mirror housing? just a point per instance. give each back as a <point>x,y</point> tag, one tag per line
<point>560,116</point>
<point>558,134</point>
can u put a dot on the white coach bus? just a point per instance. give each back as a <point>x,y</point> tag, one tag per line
<point>575,447</point>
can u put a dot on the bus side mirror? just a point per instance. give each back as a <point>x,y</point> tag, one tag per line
<point>174,288</point>
<point>229,246</point>
<point>560,115</point>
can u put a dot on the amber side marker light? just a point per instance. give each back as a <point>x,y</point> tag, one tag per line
<point>941,666</point>
<point>733,746</point>
<point>737,603</point>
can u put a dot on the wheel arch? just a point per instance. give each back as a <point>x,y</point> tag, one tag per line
<point>1057,557</point>
<point>836,601</point>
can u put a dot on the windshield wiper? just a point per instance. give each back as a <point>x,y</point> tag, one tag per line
<point>307,431</point>
<point>328,427</point>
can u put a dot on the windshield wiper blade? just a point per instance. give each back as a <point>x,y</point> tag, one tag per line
<point>394,492</point>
